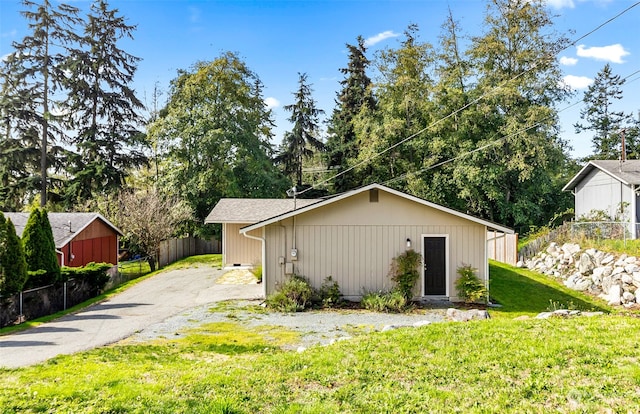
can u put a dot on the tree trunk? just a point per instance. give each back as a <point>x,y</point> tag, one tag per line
<point>152,263</point>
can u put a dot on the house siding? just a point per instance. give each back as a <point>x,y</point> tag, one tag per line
<point>354,242</point>
<point>600,191</point>
<point>238,249</point>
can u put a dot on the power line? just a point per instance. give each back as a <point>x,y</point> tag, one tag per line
<point>473,102</point>
<point>493,143</point>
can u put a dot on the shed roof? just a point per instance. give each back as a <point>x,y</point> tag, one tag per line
<point>627,172</point>
<point>253,210</point>
<point>65,226</point>
<point>342,196</point>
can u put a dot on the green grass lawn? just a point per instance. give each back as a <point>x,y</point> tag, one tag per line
<point>523,292</point>
<point>578,365</point>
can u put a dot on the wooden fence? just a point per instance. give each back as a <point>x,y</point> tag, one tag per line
<point>175,249</point>
<point>502,247</point>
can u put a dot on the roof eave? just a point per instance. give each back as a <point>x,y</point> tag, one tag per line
<point>271,220</point>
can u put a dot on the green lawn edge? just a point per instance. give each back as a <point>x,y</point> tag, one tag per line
<point>520,291</point>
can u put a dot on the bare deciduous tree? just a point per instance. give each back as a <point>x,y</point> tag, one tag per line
<point>147,219</point>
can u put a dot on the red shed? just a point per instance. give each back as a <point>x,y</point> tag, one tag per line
<point>80,238</point>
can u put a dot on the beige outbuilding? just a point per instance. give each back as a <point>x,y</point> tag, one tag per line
<point>353,237</point>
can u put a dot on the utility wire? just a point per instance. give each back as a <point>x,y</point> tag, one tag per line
<point>483,96</point>
<point>493,143</point>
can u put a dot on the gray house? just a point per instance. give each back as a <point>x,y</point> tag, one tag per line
<point>609,186</point>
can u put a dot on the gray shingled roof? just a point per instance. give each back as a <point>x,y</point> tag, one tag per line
<point>627,172</point>
<point>62,234</point>
<point>253,210</point>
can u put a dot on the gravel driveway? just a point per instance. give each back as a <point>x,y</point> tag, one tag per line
<point>315,327</point>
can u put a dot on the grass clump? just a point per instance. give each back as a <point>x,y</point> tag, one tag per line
<point>256,270</point>
<point>393,301</point>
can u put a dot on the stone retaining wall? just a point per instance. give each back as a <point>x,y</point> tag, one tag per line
<point>612,277</point>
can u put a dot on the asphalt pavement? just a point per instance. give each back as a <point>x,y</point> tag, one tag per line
<point>148,302</point>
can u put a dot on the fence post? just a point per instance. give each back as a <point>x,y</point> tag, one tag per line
<point>64,296</point>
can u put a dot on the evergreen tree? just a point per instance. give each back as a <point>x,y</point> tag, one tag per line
<point>303,140</point>
<point>40,249</point>
<point>19,142</point>
<point>605,123</point>
<point>105,109</point>
<point>38,64</point>
<point>13,266</point>
<point>342,145</point>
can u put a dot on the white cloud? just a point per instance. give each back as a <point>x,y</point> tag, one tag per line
<point>568,61</point>
<point>611,53</point>
<point>561,4</point>
<point>370,41</point>
<point>577,82</point>
<point>194,14</point>
<point>12,33</point>
<point>272,102</point>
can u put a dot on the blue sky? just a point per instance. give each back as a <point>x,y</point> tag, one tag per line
<point>279,39</point>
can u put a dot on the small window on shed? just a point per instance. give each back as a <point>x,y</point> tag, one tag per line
<point>373,195</point>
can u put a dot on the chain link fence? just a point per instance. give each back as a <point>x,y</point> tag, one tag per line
<point>598,230</point>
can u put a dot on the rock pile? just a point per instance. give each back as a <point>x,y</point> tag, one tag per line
<point>615,278</point>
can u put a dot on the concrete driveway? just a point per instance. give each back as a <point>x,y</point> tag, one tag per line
<point>146,303</point>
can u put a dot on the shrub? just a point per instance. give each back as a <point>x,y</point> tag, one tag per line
<point>393,301</point>
<point>95,274</point>
<point>404,272</point>
<point>470,288</point>
<point>294,296</point>
<point>329,293</point>
<point>13,266</point>
<point>40,249</point>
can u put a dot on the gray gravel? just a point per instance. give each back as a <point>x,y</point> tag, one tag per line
<point>316,327</point>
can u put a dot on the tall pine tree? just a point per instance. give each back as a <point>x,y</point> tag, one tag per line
<point>342,143</point>
<point>106,117</point>
<point>600,116</point>
<point>304,139</point>
<point>38,61</point>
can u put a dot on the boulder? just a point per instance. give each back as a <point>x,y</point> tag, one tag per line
<point>586,263</point>
<point>459,315</point>
<point>582,284</point>
<point>628,297</point>
<point>614,298</point>
<point>602,271</point>
<point>570,248</point>
<point>607,259</point>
